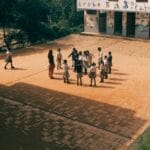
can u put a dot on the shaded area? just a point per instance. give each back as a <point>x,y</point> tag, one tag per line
<point>111,118</point>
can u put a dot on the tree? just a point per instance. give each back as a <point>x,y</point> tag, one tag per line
<point>7,14</point>
<point>39,19</point>
<point>33,15</point>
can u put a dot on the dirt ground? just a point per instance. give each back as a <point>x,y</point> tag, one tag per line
<point>127,89</point>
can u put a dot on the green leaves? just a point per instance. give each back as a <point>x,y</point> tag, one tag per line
<point>41,19</point>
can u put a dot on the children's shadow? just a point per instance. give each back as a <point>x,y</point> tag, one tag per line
<point>113,83</point>
<point>58,78</point>
<point>119,73</point>
<point>106,87</point>
<point>113,69</point>
<point>19,69</point>
<point>97,86</point>
<point>58,73</point>
<point>116,79</point>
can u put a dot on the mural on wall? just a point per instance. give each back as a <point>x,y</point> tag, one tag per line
<point>110,20</point>
<point>90,21</point>
<point>142,23</point>
<point>121,5</point>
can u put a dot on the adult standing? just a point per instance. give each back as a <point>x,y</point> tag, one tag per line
<point>8,59</point>
<point>73,55</point>
<point>51,64</point>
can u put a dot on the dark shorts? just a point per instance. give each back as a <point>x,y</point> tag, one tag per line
<point>92,75</point>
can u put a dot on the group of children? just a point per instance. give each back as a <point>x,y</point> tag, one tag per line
<point>82,63</point>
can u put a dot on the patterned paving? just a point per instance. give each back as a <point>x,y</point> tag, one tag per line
<point>27,127</point>
<point>45,119</point>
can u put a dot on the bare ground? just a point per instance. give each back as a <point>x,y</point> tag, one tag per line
<point>120,106</point>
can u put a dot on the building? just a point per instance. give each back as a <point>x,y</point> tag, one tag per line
<point>116,17</point>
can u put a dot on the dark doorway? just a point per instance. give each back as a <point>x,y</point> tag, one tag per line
<point>118,23</point>
<point>102,22</point>
<point>131,24</point>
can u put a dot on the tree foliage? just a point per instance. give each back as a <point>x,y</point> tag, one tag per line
<point>41,19</point>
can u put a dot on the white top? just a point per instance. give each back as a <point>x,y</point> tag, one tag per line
<point>93,69</point>
<point>59,55</point>
<point>100,54</point>
<point>85,58</point>
<point>105,62</point>
<point>8,54</point>
<point>65,67</point>
<point>80,57</point>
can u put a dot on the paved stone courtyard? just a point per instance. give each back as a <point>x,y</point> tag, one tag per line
<point>37,113</point>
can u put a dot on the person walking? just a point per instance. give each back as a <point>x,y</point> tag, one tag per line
<point>8,59</point>
<point>51,64</point>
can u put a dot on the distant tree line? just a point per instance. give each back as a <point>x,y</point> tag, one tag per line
<point>37,20</point>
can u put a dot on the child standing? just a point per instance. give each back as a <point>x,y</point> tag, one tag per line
<point>102,72</point>
<point>106,67</point>
<point>85,62</point>
<point>109,59</point>
<point>79,72</point>
<point>65,72</point>
<point>100,56</point>
<point>92,74</point>
<point>59,59</point>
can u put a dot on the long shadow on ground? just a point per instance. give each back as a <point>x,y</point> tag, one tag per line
<point>44,118</point>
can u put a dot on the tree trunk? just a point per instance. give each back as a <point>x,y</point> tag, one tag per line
<point>4,36</point>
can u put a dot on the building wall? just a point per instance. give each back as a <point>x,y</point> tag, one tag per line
<point>124,24</point>
<point>110,22</point>
<point>91,22</point>
<point>142,25</point>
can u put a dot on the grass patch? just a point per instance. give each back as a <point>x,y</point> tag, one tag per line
<point>143,142</point>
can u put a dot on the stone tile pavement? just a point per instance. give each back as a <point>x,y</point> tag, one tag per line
<point>37,118</point>
<point>24,127</point>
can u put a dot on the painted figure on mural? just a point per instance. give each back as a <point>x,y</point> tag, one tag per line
<point>125,4</point>
<point>98,4</point>
<point>116,6</point>
<point>94,4</point>
<point>107,4</point>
